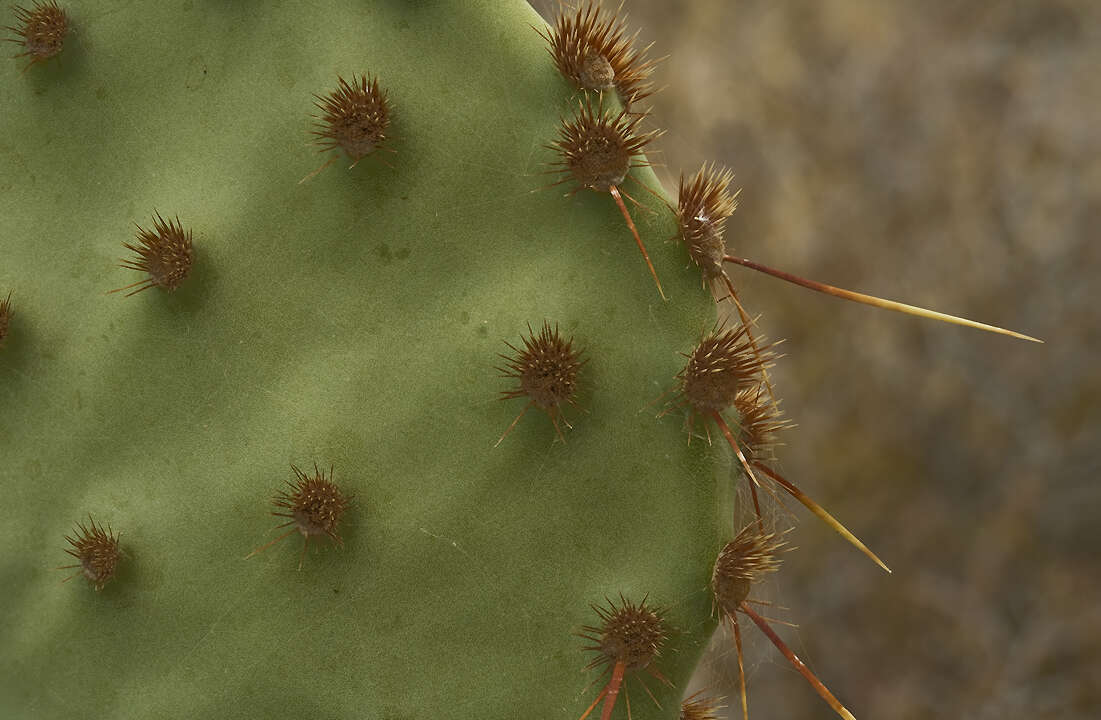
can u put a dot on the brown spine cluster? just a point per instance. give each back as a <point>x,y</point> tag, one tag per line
<point>724,363</point>
<point>5,317</point>
<point>315,506</point>
<point>699,706</point>
<point>97,551</point>
<point>630,634</point>
<point>703,205</point>
<point>163,253</point>
<point>355,118</point>
<point>598,149</point>
<point>546,371</point>
<point>627,640</point>
<point>740,563</point>
<point>591,48</point>
<point>43,31</point>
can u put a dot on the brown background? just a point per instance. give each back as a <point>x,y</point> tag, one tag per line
<point>943,153</point>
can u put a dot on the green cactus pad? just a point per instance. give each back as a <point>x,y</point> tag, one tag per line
<point>352,321</point>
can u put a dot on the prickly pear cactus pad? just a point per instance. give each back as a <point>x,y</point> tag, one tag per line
<point>352,321</point>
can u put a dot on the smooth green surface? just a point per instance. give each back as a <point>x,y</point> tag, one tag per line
<point>353,320</point>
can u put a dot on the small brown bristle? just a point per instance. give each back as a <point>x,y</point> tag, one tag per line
<point>355,118</point>
<point>722,365</point>
<point>315,506</point>
<point>760,419</point>
<point>97,550</point>
<point>741,563</point>
<point>5,317</point>
<point>591,48</point>
<point>703,205</point>
<point>598,149</point>
<point>164,253</point>
<point>42,34</point>
<point>701,707</point>
<point>630,634</point>
<point>547,369</point>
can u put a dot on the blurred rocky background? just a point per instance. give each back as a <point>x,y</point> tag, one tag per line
<point>943,153</point>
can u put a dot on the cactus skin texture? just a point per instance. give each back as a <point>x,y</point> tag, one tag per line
<point>353,321</point>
